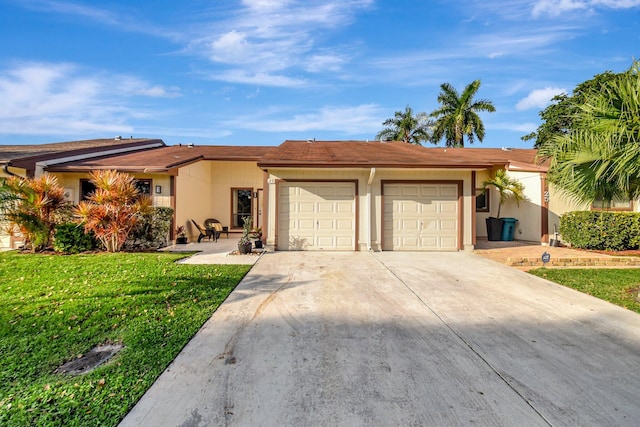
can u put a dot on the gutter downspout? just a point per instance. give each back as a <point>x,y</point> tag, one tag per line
<point>372,174</point>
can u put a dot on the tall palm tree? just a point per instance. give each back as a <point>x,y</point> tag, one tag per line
<point>404,126</point>
<point>458,117</point>
<point>600,157</point>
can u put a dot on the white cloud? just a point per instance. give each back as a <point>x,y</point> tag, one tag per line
<point>539,98</point>
<point>121,18</point>
<point>525,127</point>
<point>54,98</point>
<point>257,78</point>
<point>273,38</point>
<point>345,119</point>
<point>560,7</point>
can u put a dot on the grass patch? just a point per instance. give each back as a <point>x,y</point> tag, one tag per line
<point>618,286</point>
<point>55,308</point>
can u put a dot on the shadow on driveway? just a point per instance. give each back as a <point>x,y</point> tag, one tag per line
<point>392,338</point>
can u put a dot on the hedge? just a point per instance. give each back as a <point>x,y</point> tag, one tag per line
<point>601,230</point>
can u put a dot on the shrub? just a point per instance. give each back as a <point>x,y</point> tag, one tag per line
<point>70,238</point>
<point>152,229</point>
<point>613,231</point>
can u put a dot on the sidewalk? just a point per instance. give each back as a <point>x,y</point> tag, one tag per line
<point>220,252</point>
<point>528,255</point>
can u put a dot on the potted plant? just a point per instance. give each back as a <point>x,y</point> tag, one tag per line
<point>256,233</point>
<point>508,188</point>
<point>244,244</point>
<point>181,234</point>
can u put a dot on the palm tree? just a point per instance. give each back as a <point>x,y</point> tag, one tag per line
<point>404,126</point>
<point>458,117</point>
<point>508,188</point>
<point>600,156</point>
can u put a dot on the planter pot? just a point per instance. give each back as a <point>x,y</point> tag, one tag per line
<point>181,241</point>
<point>258,244</point>
<point>494,229</point>
<point>244,248</point>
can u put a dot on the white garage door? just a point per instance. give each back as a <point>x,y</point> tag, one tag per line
<point>317,216</point>
<point>420,217</point>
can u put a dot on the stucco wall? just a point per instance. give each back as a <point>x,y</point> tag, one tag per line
<point>203,190</point>
<point>529,211</point>
<point>372,205</point>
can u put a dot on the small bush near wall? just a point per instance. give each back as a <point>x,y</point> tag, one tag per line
<point>612,231</point>
<point>152,231</point>
<point>70,238</point>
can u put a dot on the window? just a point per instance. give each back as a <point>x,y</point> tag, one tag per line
<point>144,186</point>
<point>86,189</point>
<point>617,204</point>
<point>241,205</point>
<point>482,200</point>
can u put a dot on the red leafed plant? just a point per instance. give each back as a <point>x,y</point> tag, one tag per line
<point>32,206</point>
<point>113,209</point>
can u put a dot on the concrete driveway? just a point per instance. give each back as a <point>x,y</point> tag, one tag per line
<point>362,339</point>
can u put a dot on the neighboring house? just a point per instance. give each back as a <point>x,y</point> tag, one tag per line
<point>34,160</point>
<point>317,195</point>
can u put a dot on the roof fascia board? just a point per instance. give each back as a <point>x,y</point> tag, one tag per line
<point>41,165</point>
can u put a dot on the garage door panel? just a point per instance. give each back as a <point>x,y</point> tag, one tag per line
<point>429,191</point>
<point>345,191</point>
<point>302,224</point>
<point>409,190</point>
<point>344,225</point>
<point>409,224</point>
<point>344,207</point>
<point>450,207</point>
<point>449,191</point>
<point>408,207</point>
<point>420,217</point>
<point>449,225</point>
<point>319,216</point>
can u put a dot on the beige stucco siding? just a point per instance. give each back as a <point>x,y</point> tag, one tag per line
<point>528,212</point>
<point>203,190</point>
<point>71,183</point>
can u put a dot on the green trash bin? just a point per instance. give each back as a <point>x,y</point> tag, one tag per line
<point>508,227</point>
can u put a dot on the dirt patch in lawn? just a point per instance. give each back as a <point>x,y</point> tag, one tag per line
<point>85,363</point>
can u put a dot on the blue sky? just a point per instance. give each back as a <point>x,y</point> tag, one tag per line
<point>257,72</point>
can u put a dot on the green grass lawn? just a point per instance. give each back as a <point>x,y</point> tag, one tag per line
<point>55,308</point>
<point>618,286</point>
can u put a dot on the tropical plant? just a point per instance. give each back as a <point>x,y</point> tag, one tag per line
<point>600,156</point>
<point>245,237</point>
<point>404,126</point>
<point>32,206</point>
<point>508,188</point>
<point>458,116</point>
<point>558,117</point>
<point>113,209</point>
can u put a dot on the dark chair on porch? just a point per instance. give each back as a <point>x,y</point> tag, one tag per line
<point>204,231</point>
<point>212,223</point>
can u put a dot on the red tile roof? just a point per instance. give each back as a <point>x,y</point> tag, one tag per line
<point>391,154</point>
